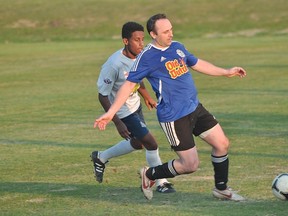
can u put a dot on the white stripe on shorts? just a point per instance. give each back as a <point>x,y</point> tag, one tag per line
<point>169,130</point>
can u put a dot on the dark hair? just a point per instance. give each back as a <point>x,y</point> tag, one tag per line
<point>151,22</point>
<point>130,27</point>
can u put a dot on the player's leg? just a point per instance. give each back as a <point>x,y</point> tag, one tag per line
<point>219,156</point>
<point>179,135</point>
<point>153,159</point>
<point>141,135</point>
<point>123,147</point>
<point>186,163</point>
<point>211,132</point>
<point>99,159</point>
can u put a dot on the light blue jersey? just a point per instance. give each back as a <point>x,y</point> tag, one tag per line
<point>112,76</point>
<point>167,70</point>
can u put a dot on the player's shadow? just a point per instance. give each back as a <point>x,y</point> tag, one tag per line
<point>101,192</point>
<point>132,196</point>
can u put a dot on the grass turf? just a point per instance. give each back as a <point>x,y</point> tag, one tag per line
<point>48,105</point>
<point>49,102</point>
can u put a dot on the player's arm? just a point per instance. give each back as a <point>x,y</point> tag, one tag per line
<point>121,96</point>
<point>121,127</point>
<point>205,67</point>
<point>149,101</point>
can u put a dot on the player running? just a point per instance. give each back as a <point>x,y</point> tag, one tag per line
<point>165,63</point>
<point>129,120</point>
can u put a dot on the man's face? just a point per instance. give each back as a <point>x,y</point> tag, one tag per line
<point>136,43</point>
<point>164,33</point>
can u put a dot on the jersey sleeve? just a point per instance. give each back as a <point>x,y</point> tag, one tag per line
<point>191,59</point>
<point>139,71</point>
<point>106,79</point>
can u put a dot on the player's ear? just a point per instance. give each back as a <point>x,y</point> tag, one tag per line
<point>125,41</point>
<point>152,34</point>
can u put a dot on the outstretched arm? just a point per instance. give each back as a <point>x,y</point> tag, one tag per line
<point>120,99</point>
<point>205,67</point>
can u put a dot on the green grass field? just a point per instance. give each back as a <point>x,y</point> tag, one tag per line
<point>49,64</point>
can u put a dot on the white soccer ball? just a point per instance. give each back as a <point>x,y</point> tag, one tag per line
<point>280,186</point>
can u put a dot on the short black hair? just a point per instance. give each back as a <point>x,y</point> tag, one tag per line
<point>152,20</point>
<point>130,27</point>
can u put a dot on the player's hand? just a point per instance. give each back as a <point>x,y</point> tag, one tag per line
<point>236,71</point>
<point>150,103</point>
<point>102,121</point>
<point>123,130</point>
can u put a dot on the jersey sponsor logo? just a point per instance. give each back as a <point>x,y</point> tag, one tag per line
<point>176,68</point>
<point>107,81</point>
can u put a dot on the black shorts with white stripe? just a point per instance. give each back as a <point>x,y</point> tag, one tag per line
<point>180,132</point>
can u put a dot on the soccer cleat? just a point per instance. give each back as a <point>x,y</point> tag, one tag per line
<point>146,184</point>
<point>166,187</point>
<point>227,194</point>
<point>99,166</point>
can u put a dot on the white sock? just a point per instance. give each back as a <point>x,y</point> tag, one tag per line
<point>121,148</point>
<point>153,160</point>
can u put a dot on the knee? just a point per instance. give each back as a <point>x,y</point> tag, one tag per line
<point>225,144</point>
<point>149,142</point>
<point>190,167</point>
<point>150,146</point>
<point>193,167</point>
<point>136,145</point>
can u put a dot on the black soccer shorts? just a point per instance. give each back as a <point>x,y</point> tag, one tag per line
<point>180,132</point>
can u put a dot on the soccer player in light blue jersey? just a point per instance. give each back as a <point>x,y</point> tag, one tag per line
<point>165,63</point>
<point>129,119</point>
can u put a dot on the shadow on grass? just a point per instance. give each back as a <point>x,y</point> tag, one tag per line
<point>100,192</point>
<point>104,146</point>
<point>132,196</point>
<point>51,143</point>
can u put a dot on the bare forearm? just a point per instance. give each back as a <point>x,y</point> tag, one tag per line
<point>121,97</point>
<point>205,67</point>
<point>210,69</point>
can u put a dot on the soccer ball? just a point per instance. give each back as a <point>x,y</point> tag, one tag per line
<point>280,186</point>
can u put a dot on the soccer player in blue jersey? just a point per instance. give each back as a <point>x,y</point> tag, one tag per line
<point>165,63</point>
<point>129,120</point>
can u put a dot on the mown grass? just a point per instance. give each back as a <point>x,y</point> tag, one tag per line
<point>58,20</point>
<point>49,102</point>
<point>48,105</point>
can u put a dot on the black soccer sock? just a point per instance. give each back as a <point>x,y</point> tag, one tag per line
<point>165,170</point>
<point>221,166</point>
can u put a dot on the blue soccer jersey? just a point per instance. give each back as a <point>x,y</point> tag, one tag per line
<point>167,70</point>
